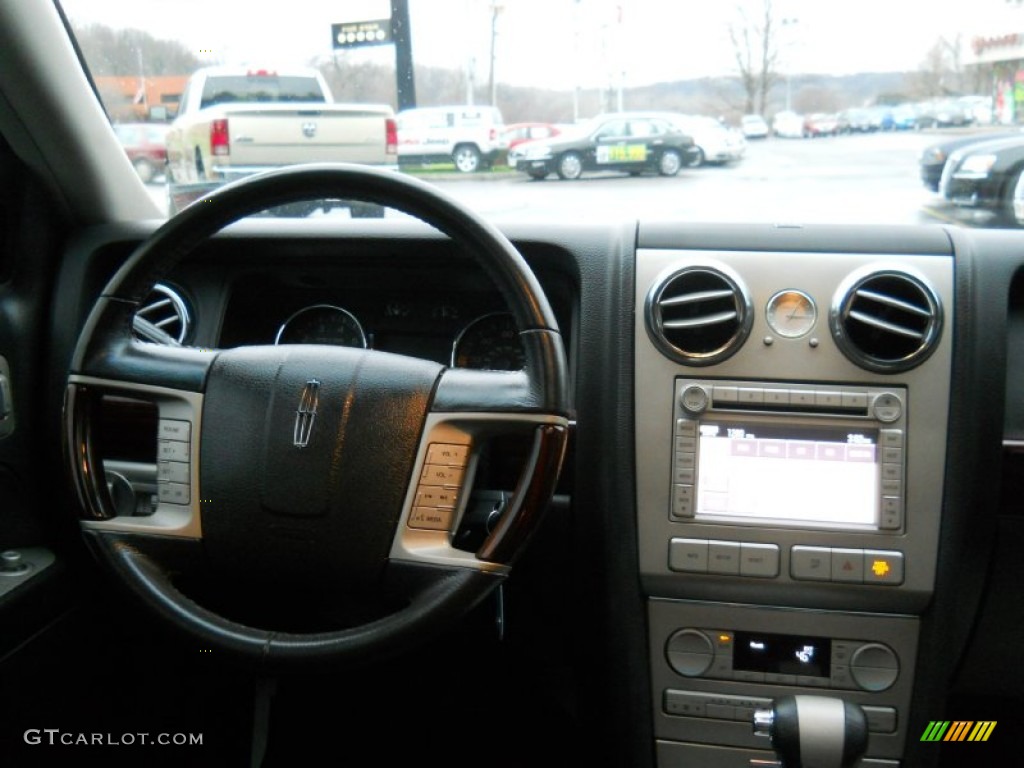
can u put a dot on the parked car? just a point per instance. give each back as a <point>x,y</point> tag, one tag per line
<point>855,120</point>
<point>146,146</point>
<point>471,137</point>
<point>633,143</point>
<point>712,471</point>
<point>713,142</point>
<point>820,124</point>
<point>984,175</point>
<point>515,134</point>
<point>754,127</point>
<point>788,125</point>
<point>932,159</point>
<point>944,113</point>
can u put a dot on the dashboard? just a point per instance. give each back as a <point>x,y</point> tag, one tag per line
<point>783,477</point>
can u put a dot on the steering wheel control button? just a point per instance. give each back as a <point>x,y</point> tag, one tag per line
<point>759,560</point>
<point>172,450</point>
<point>440,485</point>
<point>450,454</point>
<point>688,555</point>
<point>436,497</point>
<point>883,567</point>
<point>811,563</point>
<point>439,474</point>
<point>174,493</point>
<point>689,652</point>
<point>172,472</point>
<point>874,667</point>
<point>174,429</point>
<point>431,518</point>
<point>694,399</point>
<point>887,407</point>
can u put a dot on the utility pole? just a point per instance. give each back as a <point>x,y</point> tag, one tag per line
<point>496,9</point>
<point>576,61</point>
<point>788,23</point>
<point>401,34</point>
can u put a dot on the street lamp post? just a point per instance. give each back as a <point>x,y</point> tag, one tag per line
<point>496,9</point>
<point>789,21</point>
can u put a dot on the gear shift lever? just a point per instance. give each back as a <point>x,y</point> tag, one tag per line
<point>814,731</point>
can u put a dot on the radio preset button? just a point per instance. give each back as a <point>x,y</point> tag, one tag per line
<point>694,398</point>
<point>754,395</point>
<point>776,397</point>
<point>811,563</point>
<point>855,401</point>
<point>801,397</point>
<point>725,395</point>
<point>828,399</point>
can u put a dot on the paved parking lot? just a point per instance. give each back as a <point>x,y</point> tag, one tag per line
<point>871,178</point>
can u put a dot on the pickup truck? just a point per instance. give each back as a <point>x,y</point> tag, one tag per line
<point>235,122</point>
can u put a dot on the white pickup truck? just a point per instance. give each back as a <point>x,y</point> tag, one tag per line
<point>235,122</point>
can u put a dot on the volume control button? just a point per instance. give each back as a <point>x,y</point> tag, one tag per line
<point>690,652</point>
<point>694,399</point>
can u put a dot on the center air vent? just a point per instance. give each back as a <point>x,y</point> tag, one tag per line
<point>699,315</point>
<point>886,320</point>
<point>162,317</point>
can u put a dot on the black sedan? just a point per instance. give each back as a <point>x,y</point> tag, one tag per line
<point>933,158</point>
<point>984,174</point>
<point>620,142</point>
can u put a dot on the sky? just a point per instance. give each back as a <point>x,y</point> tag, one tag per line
<point>559,43</point>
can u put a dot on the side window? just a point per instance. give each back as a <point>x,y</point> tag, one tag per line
<point>614,130</point>
<point>641,129</point>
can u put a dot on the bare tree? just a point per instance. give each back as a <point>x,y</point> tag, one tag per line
<point>756,52</point>
<point>942,71</point>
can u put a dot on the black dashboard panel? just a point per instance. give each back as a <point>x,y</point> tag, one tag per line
<point>413,293</point>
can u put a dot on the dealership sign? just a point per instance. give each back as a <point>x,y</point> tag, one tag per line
<point>360,34</point>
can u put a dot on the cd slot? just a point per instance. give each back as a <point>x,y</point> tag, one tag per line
<point>810,408</point>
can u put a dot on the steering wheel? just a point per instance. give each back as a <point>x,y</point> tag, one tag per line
<point>327,465</point>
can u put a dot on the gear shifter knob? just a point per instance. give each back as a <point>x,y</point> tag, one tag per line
<point>814,731</point>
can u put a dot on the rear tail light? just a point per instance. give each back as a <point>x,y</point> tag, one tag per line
<point>220,140</point>
<point>391,136</point>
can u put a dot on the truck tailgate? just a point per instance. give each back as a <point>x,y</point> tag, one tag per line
<point>281,135</point>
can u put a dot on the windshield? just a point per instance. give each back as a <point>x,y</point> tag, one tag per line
<point>821,114</point>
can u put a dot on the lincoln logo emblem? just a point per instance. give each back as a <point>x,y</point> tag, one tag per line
<point>309,129</point>
<point>305,415</point>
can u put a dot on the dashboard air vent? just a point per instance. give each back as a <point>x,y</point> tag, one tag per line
<point>886,320</point>
<point>162,317</point>
<point>699,315</point>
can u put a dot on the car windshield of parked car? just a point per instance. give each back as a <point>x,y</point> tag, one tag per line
<point>831,116</point>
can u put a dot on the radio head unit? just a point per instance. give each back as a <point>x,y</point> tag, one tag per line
<point>762,454</point>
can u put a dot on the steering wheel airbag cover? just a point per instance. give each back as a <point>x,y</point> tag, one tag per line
<point>325,509</point>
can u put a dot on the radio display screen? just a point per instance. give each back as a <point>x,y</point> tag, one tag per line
<point>817,476</point>
<point>782,654</point>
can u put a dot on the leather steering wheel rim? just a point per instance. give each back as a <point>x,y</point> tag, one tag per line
<point>108,359</point>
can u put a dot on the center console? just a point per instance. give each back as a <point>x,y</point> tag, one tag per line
<point>790,445</point>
